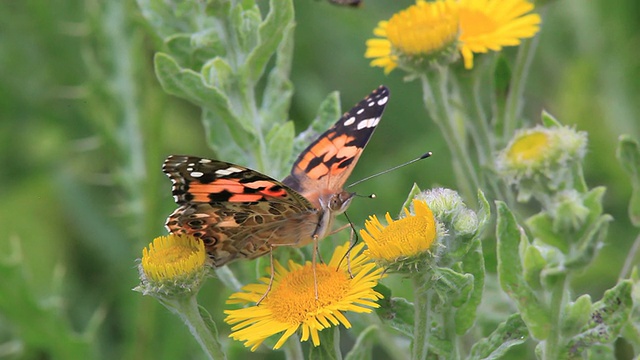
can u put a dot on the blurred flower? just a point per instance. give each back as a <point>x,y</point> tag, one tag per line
<point>171,265</point>
<point>540,161</point>
<point>402,241</point>
<point>415,35</point>
<point>491,24</point>
<point>292,304</point>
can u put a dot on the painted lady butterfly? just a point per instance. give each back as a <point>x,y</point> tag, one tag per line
<point>241,213</point>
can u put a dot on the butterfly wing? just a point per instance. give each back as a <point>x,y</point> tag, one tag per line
<point>237,212</point>
<point>324,166</point>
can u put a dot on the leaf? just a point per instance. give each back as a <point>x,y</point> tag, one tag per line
<point>415,190</point>
<point>510,272</point>
<point>589,244</point>
<point>397,313</point>
<point>279,89</point>
<point>628,153</point>
<point>549,121</point>
<point>509,333</point>
<point>576,315</point>
<point>484,213</point>
<point>541,227</point>
<point>608,317</point>
<point>329,348</point>
<point>218,138</point>
<point>532,265</point>
<point>271,33</point>
<point>451,287</point>
<point>473,263</point>
<point>279,144</point>
<point>362,349</point>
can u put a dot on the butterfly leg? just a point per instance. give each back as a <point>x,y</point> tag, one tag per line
<point>273,272</point>
<point>313,262</point>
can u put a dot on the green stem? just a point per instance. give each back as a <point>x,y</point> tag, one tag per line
<point>513,104</point>
<point>422,321</point>
<point>436,100</point>
<point>293,349</point>
<point>450,334</point>
<point>553,343</point>
<point>629,261</point>
<point>205,333</point>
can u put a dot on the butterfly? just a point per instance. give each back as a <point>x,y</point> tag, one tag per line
<point>241,213</point>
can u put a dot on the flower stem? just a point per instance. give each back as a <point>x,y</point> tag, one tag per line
<point>435,97</point>
<point>553,343</point>
<point>203,330</point>
<point>629,261</point>
<point>293,349</point>
<point>422,321</point>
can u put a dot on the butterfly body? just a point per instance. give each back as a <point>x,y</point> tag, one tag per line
<point>240,213</point>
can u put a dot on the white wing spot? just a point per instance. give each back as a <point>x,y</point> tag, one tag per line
<point>191,164</point>
<point>368,123</point>
<point>196,174</point>
<point>228,171</point>
<point>383,100</point>
<point>349,121</point>
<point>204,161</point>
<point>360,111</point>
<point>189,168</point>
<point>371,104</point>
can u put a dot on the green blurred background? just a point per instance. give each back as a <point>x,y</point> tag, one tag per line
<point>78,97</point>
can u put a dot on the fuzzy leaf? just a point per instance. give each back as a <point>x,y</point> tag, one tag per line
<point>509,333</point>
<point>541,227</point>
<point>473,263</point>
<point>362,349</point>
<point>549,121</point>
<point>451,287</point>
<point>576,315</point>
<point>279,143</point>
<point>278,91</point>
<point>271,31</point>
<point>608,317</point>
<point>329,348</point>
<point>511,275</point>
<point>395,312</point>
<point>533,263</point>
<point>590,243</point>
<point>218,138</point>
<point>415,190</point>
<point>628,153</point>
<point>484,212</point>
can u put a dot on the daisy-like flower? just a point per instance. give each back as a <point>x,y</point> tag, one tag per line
<point>292,304</point>
<point>171,265</point>
<point>492,24</point>
<point>421,32</point>
<point>402,242</point>
<point>428,30</point>
<point>539,161</point>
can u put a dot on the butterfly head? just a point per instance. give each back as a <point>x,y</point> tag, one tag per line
<point>339,202</point>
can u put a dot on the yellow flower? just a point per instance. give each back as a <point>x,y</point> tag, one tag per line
<point>420,32</point>
<point>172,264</point>
<point>401,240</point>
<point>292,304</point>
<point>491,24</point>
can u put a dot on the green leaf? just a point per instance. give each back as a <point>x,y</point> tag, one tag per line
<point>541,227</point>
<point>272,31</point>
<point>397,313</point>
<point>590,243</point>
<point>509,333</point>
<point>511,276</point>
<point>415,190</point>
<point>279,144</point>
<point>451,287</point>
<point>245,21</point>
<point>628,153</point>
<point>549,121</point>
<point>576,315</point>
<point>328,113</point>
<point>601,352</point>
<point>329,348</point>
<point>608,317</point>
<point>473,263</point>
<point>218,138</point>
<point>362,349</point>
<point>532,265</point>
<point>484,213</point>
<point>191,86</point>
<point>279,89</point>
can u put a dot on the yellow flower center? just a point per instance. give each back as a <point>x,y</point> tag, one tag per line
<point>294,298</point>
<point>423,28</point>
<point>529,148</point>
<point>402,238</point>
<point>172,256</point>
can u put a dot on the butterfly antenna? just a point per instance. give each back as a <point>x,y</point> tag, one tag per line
<point>423,156</point>
<point>352,243</point>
